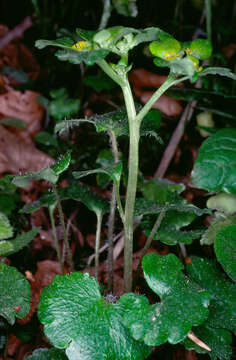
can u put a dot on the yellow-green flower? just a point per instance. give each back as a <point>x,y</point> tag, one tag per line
<point>79,46</point>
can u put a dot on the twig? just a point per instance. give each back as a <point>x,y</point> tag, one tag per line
<point>197,341</point>
<point>56,242</point>
<point>17,32</point>
<point>97,243</point>
<point>62,221</point>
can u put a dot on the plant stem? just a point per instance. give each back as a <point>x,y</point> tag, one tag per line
<point>170,81</point>
<point>110,72</point>
<point>208,18</point>
<point>106,14</point>
<point>56,243</point>
<point>149,241</point>
<point>61,217</point>
<point>111,219</point>
<point>97,242</point>
<point>131,187</point>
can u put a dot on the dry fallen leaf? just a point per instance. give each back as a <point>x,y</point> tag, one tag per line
<point>143,80</point>
<point>23,106</point>
<point>17,157</point>
<point>46,271</point>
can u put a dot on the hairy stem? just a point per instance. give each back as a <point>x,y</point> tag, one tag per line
<point>131,187</point>
<point>97,243</point>
<point>56,242</point>
<point>170,81</point>
<point>62,221</point>
<point>111,219</point>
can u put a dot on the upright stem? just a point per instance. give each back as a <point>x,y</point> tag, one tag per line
<point>97,242</point>
<point>56,243</point>
<point>62,221</point>
<point>131,187</point>
<point>106,14</point>
<point>111,219</point>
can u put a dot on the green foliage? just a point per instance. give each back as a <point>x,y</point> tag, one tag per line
<point>223,292</point>
<point>45,138</point>
<point>62,106</point>
<point>6,230</point>
<point>164,195</point>
<point>13,122</point>
<point>8,196</point>
<point>215,167</point>
<point>14,294</point>
<point>183,303</point>
<point>50,174</point>
<point>76,318</point>
<point>216,225</point>
<point>47,354</point>
<point>9,247</point>
<point>117,122</point>
<point>225,249</point>
<point>219,341</point>
<point>99,82</point>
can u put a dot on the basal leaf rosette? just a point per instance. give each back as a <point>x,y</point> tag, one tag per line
<point>14,294</point>
<point>77,318</point>
<point>225,249</point>
<point>47,354</point>
<point>183,304</point>
<point>216,330</point>
<point>222,291</point>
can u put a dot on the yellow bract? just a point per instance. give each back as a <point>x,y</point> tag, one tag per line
<point>79,46</point>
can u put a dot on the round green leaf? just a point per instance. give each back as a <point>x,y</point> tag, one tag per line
<point>78,319</point>
<point>47,354</point>
<point>225,249</point>
<point>215,167</point>
<point>223,292</point>
<point>14,294</point>
<point>183,303</point>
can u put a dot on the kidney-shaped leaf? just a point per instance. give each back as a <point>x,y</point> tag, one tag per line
<point>215,167</point>
<point>223,292</point>
<point>47,354</point>
<point>183,303</point>
<point>225,249</point>
<point>78,319</point>
<point>14,294</point>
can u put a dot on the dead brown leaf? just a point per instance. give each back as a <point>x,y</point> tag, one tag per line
<point>46,271</point>
<point>26,107</point>
<point>18,157</point>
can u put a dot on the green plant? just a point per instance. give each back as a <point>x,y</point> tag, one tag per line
<point>76,317</point>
